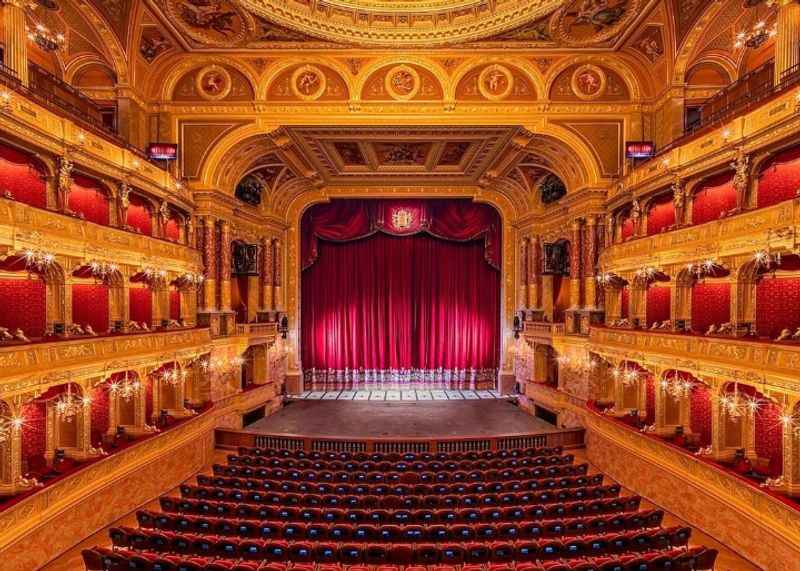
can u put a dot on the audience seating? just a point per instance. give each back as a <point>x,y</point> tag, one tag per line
<point>280,510</point>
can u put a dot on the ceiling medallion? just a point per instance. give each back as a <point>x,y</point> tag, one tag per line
<point>588,82</point>
<point>213,83</point>
<point>402,82</point>
<point>219,22</point>
<point>308,82</point>
<point>582,23</point>
<point>495,82</point>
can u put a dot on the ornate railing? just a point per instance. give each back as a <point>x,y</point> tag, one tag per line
<point>572,438</point>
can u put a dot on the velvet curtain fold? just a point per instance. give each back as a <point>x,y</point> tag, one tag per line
<point>398,311</point>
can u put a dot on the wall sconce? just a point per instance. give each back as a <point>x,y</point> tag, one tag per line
<point>517,326</point>
<point>283,326</point>
<point>726,134</point>
<point>5,100</point>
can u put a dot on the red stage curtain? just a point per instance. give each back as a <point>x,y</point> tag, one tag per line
<point>141,305</point>
<point>711,305</point>
<point>777,305</point>
<point>22,305</point>
<point>400,304</point>
<point>457,220</point>
<point>660,214</point>
<point>658,304</point>
<point>87,198</point>
<point>22,177</point>
<point>90,306</point>
<point>780,178</point>
<point>139,215</point>
<point>713,197</point>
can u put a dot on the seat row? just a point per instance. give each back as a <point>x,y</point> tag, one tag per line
<point>389,477</point>
<point>352,553</point>
<point>399,501</point>
<point>402,489</point>
<point>693,559</point>
<point>397,456</point>
<point>296,531</point>
<point>402,465</point>
<point>223,508</point>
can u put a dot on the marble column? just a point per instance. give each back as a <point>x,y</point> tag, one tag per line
<point>277,275</point>
<point>523,302</point>
<point>575,270</point>
<point>589,281</point>
<point>225,266</point>
<point>210,264</point>
<point>266,272</point>
<point>15,39</point>
<point>534,272</point>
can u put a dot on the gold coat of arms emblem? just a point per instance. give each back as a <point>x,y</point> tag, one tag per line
<point>402,218</point>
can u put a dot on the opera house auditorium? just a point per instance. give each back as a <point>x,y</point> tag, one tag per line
<point>400,285</point>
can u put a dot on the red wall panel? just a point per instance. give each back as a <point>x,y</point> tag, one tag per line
<point>650,399</point>
<point>711,304</point>
<point>90,305</point>
<point>86,197</point>
<point>172,229</point>
<point>777,305</point>
<point>769,436</point>
<point>34,438</point>
<point>779,179</point>
<point>625,303</point>
<point>627,228</point>
<point>23,305</point>
<point>658,304</point>
<point>700,413</point>
<point>713,197</point>
<point>99,413</point>
<point>141,305</point>
<point>139,215</point>
<point>174,305</point>
<point>20,176</point>
<point>660,214</point>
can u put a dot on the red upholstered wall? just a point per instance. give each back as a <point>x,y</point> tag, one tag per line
<point>99,413</point>
<point>20,176</point>
<point>777,305</point>
<point>148,403</point>
<point>769,436</point>
<point>86,197</point>
<point>34,438</point>
<point>650,400</point>
<point>713,197</point>
<point>625,302</point>
<point>139,215</point>
<point>660,214</point>
<point>711,304</point>
<point>90,305</point>
<point>23,305</point>
<point>172,229</point>
<point>658,304</point>
<point>700,413</point>
<point>627,228</point>
<point>174,304</point>
<point>779,179</point>
<point>141,305</point>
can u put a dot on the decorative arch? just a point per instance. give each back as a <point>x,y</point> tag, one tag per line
<point>525,66</point>
<point>174,70</point>
<point>274,72</point>
<point>621,67</point>
<point>438,72</point>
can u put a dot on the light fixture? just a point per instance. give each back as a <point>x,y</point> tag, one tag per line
<point>192,279</point>
<point>5,100</point>
<point>69,405</point>
<point>677,387</point>
<point>628,375</point>
<point>9,425</point>
<point>174,376</point>
<point>736,405</point>
<point>126,388</point>
<point>44,38</point>
<point>766,260</point>
<point>647,273</point>
<point>703,269</point>
<point>582,364</point>
<point>101,271</point>
<point>153,275</point>
<point>759,32</point>
<point>37,260</point>
<point>609,279</point>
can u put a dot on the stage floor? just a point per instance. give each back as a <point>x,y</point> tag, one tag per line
<point>406,419</point>
<point>399,395</point>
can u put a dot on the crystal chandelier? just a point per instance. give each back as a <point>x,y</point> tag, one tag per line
<point>582,364</point>
<point>609,279</point>
<point>736,405</point>
<point>127,388</point>
<point>8,426</point>
<point>647,273</point>
<point>677,387</point>
<point>174,376</point>
<point>626,374</point>
<point>69,405</point>
<point>222,365</point>
<point>102,270</point>
<point>703,269</point>
<point>766,260</point>
<point>759,33</point>
<point>193,279</point>
<point>153,275</point>
<point>38,260</point>
<point>44,38</point>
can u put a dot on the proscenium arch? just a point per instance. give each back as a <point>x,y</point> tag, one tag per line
<point>508,221</point>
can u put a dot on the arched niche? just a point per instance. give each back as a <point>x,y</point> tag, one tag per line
<point>89,199</point>
<point>32,297</point>
<point>24,177</point>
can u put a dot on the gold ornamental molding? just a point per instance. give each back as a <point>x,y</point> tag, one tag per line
<point>406,23</point>
<point>767,366</point>
<point>23,226</point>
<point>25,368</point>
<point>699,492</point>
<point>774,227</point>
